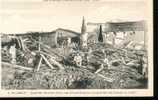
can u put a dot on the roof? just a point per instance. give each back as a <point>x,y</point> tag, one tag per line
<point>127,26</point>
<point>91,36</point>
<point>77,33</point>
<point>51,32</point>
<point>127,22</point>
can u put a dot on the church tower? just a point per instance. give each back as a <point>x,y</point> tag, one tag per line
<point>84,35</point>
<point>83,27</point>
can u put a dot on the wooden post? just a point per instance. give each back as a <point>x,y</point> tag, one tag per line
<point>56,39</point>
<point>39,64</point>
<point>39,46</point>
<point>144,39</point>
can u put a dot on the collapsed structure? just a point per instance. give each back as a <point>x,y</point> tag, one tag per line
<point>57,50</point>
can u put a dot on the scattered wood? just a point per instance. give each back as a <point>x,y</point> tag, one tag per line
<point>57,64</point>
<point>22,44</point>
<point>105,78</point>
<point>46,54</point>
<point>122,61</point>
<point>48,48</point>
<point>47,62</point>
<point>53,61</point>
<point>17,66</point>
<point>99,75</point>
<point>100,69</point>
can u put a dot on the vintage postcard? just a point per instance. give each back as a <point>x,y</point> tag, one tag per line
<point>63,48</point>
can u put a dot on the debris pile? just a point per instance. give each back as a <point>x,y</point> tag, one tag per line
<point>53,68</point>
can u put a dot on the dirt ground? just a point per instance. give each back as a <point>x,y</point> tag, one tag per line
<point>70,78</point>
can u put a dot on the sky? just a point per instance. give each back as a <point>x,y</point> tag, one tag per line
<point>20,16</point>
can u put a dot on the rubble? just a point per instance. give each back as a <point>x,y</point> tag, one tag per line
<point>54,69</point>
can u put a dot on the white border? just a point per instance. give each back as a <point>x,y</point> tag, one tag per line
<point>97,92</point>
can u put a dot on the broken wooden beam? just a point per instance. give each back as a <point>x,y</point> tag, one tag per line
<point>100,69</point>
<point>53,52</point>
<point>41,52</point>
<point>48,48</point>
<point>105,78</point>
<point>57,64</point>
<point>22,44</point>
<point>52,59</point>
<point>16,66</point>
<point>47,62</point>
<point>98,75</point>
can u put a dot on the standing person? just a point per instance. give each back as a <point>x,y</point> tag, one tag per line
<point>78,60</point>
<point>106,61</point>
<point>12,51</point>
<point>88,59</point>
<point>145,70</point>
<point>68,41</point>
<point>88,55</point>
<point>105,64</point>
<point>112,37</point>
<point>89,50</point>
<point>140,67</point>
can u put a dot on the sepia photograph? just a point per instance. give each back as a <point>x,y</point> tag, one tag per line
<point>76,45</point>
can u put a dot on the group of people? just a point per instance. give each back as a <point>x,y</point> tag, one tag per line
<point>78,59</point>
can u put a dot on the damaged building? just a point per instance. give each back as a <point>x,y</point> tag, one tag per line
<point>120,33</point>
<point>49,61</point>
<point>60,37</point>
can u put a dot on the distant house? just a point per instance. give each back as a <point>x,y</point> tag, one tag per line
<point>57,37</point>
<point>60,37</point>
<point>92,38</point>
